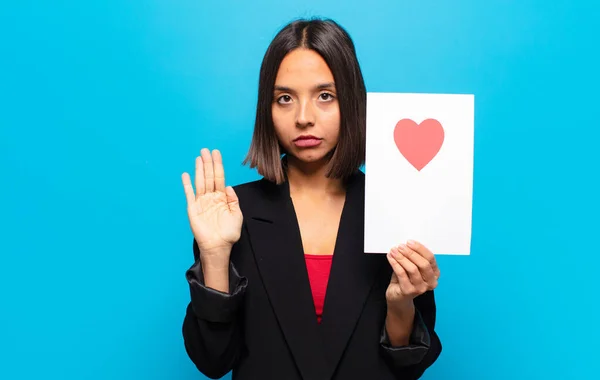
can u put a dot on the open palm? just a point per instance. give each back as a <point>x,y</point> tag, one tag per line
<point>214,213</point>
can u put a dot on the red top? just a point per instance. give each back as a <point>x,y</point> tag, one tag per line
<point>318,267</point>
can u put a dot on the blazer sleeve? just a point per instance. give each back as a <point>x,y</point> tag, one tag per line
<point>411,361</point>
<point>211,327</point>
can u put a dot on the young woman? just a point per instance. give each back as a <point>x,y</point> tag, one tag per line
<point>280,287</point>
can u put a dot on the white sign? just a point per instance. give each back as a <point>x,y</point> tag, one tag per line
<point>419,171</point>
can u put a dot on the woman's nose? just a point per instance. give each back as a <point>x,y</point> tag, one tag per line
<point>305,115</point>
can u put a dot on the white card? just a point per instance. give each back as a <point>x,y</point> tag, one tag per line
<point>419,171</point>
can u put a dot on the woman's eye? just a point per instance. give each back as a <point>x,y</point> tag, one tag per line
<point>284,99</point>
<point>326,96</point>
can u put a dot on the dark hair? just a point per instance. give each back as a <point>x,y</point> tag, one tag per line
<point>335,46</point>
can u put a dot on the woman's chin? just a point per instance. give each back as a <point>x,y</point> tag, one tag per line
<point>313,157</point>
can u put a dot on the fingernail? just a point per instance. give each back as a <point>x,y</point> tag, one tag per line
<point>411,242</point>
<point>401,247</point>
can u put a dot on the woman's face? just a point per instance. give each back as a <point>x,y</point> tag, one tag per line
<point>305,107</point>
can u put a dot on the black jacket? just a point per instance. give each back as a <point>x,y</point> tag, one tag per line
<point>266,328</point>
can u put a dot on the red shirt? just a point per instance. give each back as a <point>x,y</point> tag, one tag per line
<point>318,267</point>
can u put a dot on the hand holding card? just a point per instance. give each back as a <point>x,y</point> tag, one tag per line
<point>415,272</point>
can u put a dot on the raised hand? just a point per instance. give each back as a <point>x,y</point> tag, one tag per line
<point>214,212</point>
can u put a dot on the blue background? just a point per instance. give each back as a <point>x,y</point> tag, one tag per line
<point>103,104</point>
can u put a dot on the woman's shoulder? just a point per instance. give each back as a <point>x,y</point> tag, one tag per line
<point>253,187</point>
<point>258,190</point>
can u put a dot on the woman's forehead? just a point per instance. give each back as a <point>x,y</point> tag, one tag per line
<point>303,68</point>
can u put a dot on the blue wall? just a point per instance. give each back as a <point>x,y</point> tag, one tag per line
<point>103,104</point>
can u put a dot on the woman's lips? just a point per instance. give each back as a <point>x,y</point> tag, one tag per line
<point>307,141</point>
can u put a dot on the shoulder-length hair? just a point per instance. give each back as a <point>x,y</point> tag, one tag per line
<point>335,46</point>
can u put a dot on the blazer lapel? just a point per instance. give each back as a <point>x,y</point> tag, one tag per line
<point>352,276</point>
<point>277,246</point>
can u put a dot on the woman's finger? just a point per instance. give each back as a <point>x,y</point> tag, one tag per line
<point>424,266</point>
<point>200,187</point>
<point>413,271</point>
<point>219,171</point>
<point>188,189</point>
<point>209,174</point>
<point>427,254</point>
<point>403,280</point>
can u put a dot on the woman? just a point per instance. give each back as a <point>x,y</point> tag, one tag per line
<point>281,288</point>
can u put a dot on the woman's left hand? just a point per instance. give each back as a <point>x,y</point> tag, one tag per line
<point>415,272</point>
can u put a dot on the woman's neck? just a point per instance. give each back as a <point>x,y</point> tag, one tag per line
<point>309,178</point>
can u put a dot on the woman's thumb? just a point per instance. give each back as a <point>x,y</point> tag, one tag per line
<point>232,199</point>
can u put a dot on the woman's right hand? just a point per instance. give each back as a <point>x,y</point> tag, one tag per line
<point>214,212</point>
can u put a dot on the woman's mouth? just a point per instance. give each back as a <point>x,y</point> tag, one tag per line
<point>307,141</point>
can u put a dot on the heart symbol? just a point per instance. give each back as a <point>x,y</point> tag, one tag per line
<point>419,143</point>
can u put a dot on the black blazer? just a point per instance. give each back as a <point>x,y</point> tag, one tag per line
<point>266,328</point>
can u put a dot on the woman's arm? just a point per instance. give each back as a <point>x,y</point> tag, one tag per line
<point>422,348</point>
<point>211,328</point>
<point>409,341</point>
<point>399,325</point>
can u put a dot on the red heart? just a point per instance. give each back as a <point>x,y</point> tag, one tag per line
<point>419,143</point>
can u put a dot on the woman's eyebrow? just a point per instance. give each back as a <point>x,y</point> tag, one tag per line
<point>321,86</point>
<point>324,86</point>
